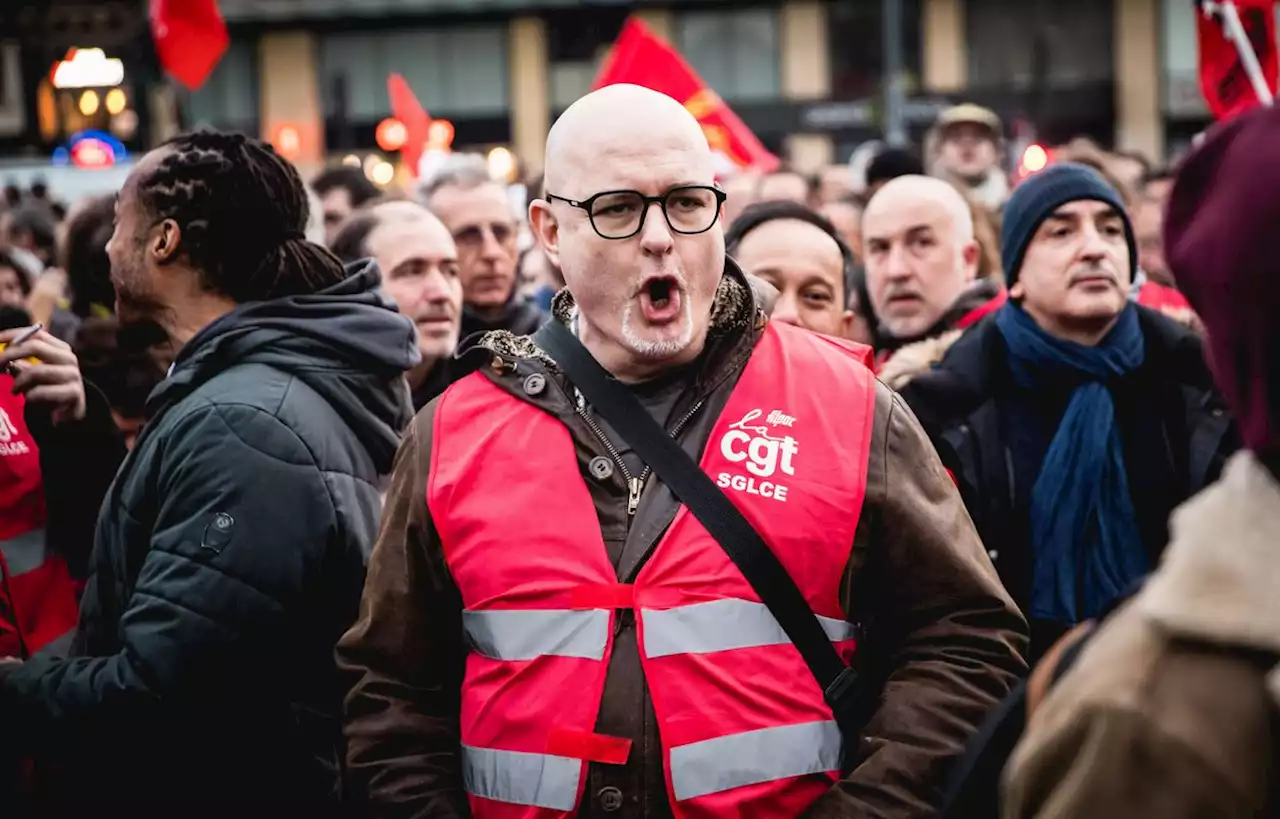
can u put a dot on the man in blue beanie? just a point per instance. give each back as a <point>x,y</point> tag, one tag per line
<point>1073,419</point>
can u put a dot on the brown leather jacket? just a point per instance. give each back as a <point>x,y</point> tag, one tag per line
<point>950,637</point>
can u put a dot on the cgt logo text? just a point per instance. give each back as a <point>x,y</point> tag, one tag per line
<point>761,453</point>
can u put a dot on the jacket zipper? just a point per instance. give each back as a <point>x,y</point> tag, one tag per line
<point>634,485</point>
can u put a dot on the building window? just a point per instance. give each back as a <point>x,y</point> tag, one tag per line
<point>228,100</point>
<point>457,72</point>
<point>735,52</point>
<point>577,44</point>
<point>1051,42</point>
<point>857,47</point>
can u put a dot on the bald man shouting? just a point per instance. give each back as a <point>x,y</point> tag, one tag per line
<point>921,260</point>
<point>547,632</point>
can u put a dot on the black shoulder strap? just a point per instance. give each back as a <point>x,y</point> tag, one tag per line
<point>744,546</point>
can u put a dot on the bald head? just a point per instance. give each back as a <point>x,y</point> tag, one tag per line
<point>919,250</point>
<point>614,121</point>
<point>924,192</point>
<point>402,210</point>
<point>644,259</point>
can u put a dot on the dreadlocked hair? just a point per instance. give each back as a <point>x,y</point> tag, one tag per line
<point>242,210</point>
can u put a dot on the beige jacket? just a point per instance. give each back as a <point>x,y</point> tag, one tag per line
<point>1169,711</point>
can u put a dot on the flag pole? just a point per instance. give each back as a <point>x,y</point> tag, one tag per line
<point>1234,31</point>
<point>895,127</point>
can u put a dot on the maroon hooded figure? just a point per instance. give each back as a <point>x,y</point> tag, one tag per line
<point>1222,237</point>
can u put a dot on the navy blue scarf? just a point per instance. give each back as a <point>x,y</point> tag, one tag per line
<point>1084,534</point>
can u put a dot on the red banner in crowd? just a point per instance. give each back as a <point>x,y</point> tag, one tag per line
<point>640,57</point>
<point>406,108</point>
<point>190,38</point>
<point>1223,79</point>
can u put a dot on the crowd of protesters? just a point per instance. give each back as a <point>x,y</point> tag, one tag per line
<point>300,516</point>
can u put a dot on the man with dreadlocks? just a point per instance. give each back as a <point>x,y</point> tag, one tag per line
<point>230,550</point>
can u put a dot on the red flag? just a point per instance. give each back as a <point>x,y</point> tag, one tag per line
<point>642,58</point>
<point>190,37</point>
<point>1223,79</point>
<point>406,108</point>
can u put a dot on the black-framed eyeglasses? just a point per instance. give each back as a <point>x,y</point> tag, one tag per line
<point>689,209</point>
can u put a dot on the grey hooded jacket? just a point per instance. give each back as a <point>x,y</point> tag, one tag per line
<point>229,557</point>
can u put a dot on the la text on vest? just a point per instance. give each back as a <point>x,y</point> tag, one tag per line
<point>742,721</point>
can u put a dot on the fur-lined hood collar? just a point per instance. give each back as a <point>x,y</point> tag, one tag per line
<point>742,302</point>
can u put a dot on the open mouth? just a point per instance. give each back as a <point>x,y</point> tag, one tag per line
<point>660,300</point>
<point>660,292</point>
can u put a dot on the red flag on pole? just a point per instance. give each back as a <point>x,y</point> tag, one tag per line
<point>190,38</point>
<point>640,57</point>
<point>1227,72</point>
<point>406,108</point>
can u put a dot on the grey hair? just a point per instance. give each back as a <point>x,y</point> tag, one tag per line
<point>464,171</point>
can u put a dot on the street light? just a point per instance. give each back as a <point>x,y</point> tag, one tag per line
<point>89,103</point>
<point>383,173</point>
<point>502,164</point>
<point>116,101</point>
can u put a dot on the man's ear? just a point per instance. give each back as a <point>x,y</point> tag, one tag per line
<point>1017,292</point>
<point>165,239</point>
<point>545,229</point>
<point>971,255</point>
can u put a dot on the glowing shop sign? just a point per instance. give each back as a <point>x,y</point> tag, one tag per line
<point>91,150</point>
<point>87,68</point>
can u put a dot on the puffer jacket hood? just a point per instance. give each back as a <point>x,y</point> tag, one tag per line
<point>347,342</point>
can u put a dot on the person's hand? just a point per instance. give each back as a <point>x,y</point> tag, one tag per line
<point>47,293</point>
<point>54,380</point>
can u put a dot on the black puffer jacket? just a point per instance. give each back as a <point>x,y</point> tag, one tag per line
<point>229,558</point>
<point>1173,424</point>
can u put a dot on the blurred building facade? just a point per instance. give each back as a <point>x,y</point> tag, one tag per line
<point>805,75</point>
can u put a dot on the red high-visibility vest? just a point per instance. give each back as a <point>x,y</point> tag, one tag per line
<point>37,595</point>
<point>744,727</point>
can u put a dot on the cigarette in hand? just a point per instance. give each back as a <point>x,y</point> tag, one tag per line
<point>26,336</point>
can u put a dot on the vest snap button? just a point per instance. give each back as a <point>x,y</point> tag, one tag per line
<point>601,467</point>
<point>535,384</point>
<point>610,799</point>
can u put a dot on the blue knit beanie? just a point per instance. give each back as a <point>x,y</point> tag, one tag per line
<point>1040,195</point>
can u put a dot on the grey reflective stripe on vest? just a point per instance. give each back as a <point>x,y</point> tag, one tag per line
<point>766,755</point>
<point>698,769</point>
<point>23,553</point>
<point>720,625</point>
<point>523,634</point>
<point>542,780</point>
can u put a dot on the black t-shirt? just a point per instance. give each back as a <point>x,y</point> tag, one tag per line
<point>659,396</point>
